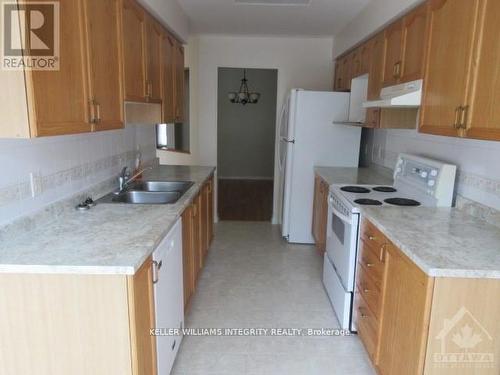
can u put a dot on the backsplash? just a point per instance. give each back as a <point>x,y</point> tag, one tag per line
<point>39,172</point>
<point>478,177</point>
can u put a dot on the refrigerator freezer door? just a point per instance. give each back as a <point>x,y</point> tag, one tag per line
<point>318,142</point>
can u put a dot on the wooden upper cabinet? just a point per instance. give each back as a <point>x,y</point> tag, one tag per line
<point>355,63</point>
<point>414,39</point>
<point>337,83</point>
<point>179,83</point>
<point>134,38</point>
<point>346,72</point>
<point>154,38</point>
<point>59,101</point>
<point>482,104</point>
<point>392,53</point>
<point>376,67</point>
<point>405,316</point>
<point>365,57</point>
<point>168,74</point>
<point>104,46</point>
<point>448,64</point>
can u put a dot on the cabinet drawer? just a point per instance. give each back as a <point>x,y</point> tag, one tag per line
<point>367,325</point>
<point>372,236</point>
<point>371,263</point>
<point>369,290</point>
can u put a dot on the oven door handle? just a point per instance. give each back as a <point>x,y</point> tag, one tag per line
<point>337,213</point>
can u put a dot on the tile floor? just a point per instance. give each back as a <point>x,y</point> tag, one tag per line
<point>253,279</point>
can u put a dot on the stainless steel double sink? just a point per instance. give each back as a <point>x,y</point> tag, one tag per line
<point>149,192</point>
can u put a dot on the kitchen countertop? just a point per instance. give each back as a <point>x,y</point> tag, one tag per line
<point>107,239</point>
<point>443,242</point>
<point>355,176</point>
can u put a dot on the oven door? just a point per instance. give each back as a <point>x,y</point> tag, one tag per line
<point>342,242</point>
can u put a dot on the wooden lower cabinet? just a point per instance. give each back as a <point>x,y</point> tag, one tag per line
<point>197,234</point>
<point>320,213</point>
<point>210,193</point>
<point>188,255</point>
<point>413,324</point>
<point>142,319</point>
<point>60,324</point>
<point>405,316</point>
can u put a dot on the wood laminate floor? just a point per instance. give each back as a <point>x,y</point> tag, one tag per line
<point>245,200</point>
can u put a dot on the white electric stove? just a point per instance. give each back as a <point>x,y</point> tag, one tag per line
<point>418,182</point>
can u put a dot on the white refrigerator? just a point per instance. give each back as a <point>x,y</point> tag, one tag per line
<point>310,137</point>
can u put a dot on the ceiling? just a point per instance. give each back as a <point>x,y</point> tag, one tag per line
<point>234,17</point>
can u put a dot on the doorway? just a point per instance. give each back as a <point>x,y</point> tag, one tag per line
<point>245,145</point>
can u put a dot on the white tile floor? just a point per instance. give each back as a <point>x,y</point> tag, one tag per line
<point>254,279</point>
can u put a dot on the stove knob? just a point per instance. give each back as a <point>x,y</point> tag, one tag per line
<point>434,173</point>
<point>423,174</point>
<point>431,182</point>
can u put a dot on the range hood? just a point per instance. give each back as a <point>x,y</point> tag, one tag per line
<point>405,95</point>
<point>359,93</point>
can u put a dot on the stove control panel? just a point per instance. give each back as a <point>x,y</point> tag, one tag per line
<point>430,177</point>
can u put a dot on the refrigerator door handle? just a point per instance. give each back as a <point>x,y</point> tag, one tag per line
<point>287,140</point>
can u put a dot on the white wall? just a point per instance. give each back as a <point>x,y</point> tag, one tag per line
<point>477,161</point>
<point>37,172</point>
<point>301,62</point>
<point>246,133</point>
<point>372,18</point>
<point>171,15</point>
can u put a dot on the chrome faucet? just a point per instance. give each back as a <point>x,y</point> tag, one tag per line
<point>125,179</point>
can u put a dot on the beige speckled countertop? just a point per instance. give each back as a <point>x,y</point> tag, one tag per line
<point>443,242</point>
<point>353,176</point>
<point>107,239</point>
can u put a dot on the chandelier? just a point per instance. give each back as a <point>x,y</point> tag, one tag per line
<point>244,96</point>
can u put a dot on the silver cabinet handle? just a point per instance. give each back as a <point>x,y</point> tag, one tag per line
<point>155,264</point>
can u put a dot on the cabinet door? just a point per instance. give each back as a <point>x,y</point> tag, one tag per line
<point>448,64</point>
<point>204,221</point>
<point>134,29</point>
<point>325,188</point>
<point>197,247</point>
<point>337,83</point>
<point>365,57</point>
<point>103,34</point>
<point>168,71</point>
<point>316,208</point>
<point>179,83</point>
<point>372,118</point>
<point>142,319</point>
<point>210,211</point>
<point>376,67</point>
<point>392,53</point>
<point>188,254</point>
<point>405,316</point>
<point>484,122</point>
<point>414,39</point>
<point>59,100</point>
<point>346,72</point>
<point>153,60</point>
<point>355,63</point>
